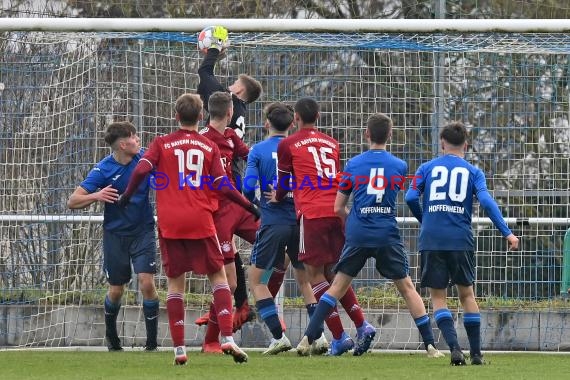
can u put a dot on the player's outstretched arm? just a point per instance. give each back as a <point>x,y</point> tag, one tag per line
<point>208,82</point>
<point>81,198</point>
<point>233,195</point>
<point>513,242</point>
<point>413,201</point>
<point>340,203</point>
<point>414,193</point>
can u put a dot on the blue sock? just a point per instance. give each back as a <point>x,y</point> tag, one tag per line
<point>472,324</point>
<point>268,313</point>
<point>311,309</point>
<point>111,313</point>
<point>444,321</point>
<point>324,308</point>
<point>424,326</point>
<point>150,311</point>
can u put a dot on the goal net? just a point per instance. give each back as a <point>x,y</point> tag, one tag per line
<point>59,90</point>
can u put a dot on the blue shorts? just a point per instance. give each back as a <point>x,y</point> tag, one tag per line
<point>391,260</point>
<point>271,243</point>
<point>120,251</point>
<point>443,268</point>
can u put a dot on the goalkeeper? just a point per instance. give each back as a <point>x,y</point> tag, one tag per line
<point>244,91</point>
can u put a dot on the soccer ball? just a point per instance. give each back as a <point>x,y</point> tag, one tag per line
<point>206,40</point>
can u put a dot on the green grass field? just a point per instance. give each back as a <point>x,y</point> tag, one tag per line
<point>63,365</point>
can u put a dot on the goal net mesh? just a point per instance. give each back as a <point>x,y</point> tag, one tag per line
<point>58,92</point>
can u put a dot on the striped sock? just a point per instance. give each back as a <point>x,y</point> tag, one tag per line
<point>444,321</point>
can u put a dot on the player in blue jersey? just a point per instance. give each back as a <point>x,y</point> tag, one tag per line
<point>128,234</point>
<point>374,178</point>
<point>279,231</point>
<point>448,185</point>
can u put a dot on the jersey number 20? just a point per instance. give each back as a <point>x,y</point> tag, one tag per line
<point>442,177</point>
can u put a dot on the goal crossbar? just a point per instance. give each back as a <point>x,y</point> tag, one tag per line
<point>286,25</point>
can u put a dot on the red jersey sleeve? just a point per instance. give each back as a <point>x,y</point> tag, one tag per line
<point>241,150</point>
<point>152,154</point>
<point>284,158</point>
<point>217,169</point>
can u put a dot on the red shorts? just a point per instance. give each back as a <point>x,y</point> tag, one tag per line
<point>232,219</point>
<point>322,240</point>
<point>201,256</point>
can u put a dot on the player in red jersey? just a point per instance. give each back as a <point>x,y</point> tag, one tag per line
<point>230,219</point>
<point>311,159</point>
<point>190,171</point>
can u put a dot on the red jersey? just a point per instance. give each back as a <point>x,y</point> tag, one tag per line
<point>186,161</point>
<point>312,158</point>
<point>230,145</point>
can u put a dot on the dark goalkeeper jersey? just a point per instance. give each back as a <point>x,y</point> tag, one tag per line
<point>210,84</point>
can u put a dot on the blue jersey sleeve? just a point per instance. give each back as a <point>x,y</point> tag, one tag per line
<point>95,180</point>
<point>414,192</point>
<point>251,178</point>
<point>489,204</point>
<point>345,179</point>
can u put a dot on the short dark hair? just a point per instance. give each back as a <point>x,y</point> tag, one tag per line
<point>188,107</point>
<point>454,133</point>
<point>118,130</point>
<point>307,109</point>
<point>379,126</point>
<point>280,115</point>
<point>252,87</point>
<point>218,104</point>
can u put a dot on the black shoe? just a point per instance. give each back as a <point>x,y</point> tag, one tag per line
<point>151,348</point>
<point>477,359</point>
<point>457,357</point>
<point>114,344</point>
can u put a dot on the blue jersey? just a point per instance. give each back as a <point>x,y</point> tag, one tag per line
<point>374,177</point>
<point>449,185</point>
<point>260,173</point>
<point>137,217</point>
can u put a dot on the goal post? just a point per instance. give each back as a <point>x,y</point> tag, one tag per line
<point>63,80</point>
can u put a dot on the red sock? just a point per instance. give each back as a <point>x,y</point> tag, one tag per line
<point>275,281</point>
<point>333,320</point>
<point>352,307</point>
<point>223,308</point>
<point>175,310</point>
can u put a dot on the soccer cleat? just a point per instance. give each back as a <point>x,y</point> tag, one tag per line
<point>477,359</point>
<point>278,345</point>
<point>203,319</point>
<point>341,345</point>
<point>457,357</point>
<point>113,343</point>
<point>212,348</point>
<point>242,314</point>
<point>433,352</point>
<point>364,336</point>
<point>180,357</point>
<point>151,348</point>
<point>304,348</point>
<point>320,346</point>
<point>230,348</point>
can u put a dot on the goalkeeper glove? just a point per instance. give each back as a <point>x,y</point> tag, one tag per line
<point>220,38</point>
